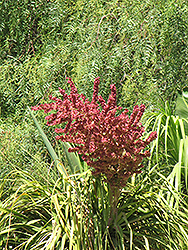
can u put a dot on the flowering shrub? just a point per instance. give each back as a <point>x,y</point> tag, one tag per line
<point>111,144</point>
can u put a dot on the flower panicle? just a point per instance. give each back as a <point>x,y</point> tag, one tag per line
<point>111,144</point>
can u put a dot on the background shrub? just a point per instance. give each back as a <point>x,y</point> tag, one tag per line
<point>26,25</point>
<point>139,45</point>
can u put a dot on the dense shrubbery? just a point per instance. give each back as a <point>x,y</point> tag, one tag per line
<point>26,83</point>
<point>25,26</point>
<point>139,46</point>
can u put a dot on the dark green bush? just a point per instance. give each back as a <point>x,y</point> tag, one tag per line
<point>25,84</point>
<point>26,25</point>
<point>141,46</point>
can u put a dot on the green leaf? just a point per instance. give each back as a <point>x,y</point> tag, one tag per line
<point>52,152</point>
<point>182,107</point>
<point>73,159</point>
<point>185,161</point>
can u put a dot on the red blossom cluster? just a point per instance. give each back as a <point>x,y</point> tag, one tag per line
<point>111,144</point>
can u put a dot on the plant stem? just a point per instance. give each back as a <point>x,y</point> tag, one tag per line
<point>114,198</point>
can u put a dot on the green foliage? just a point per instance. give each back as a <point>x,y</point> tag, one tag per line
<point>73,159</point>
<point>171,146</point>
<point>24,202</point>
<point>140,46</point>
<point>75,213</point>
<point>52,152</point>
<point>25,25</point>
<point>182,107</point>
<point>23,84</point>
<point>21,147</point>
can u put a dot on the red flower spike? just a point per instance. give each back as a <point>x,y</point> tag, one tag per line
<point>96,90</point>
<point>110,144</point>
